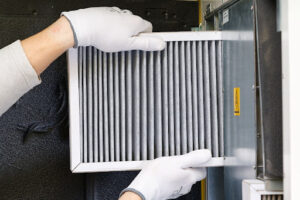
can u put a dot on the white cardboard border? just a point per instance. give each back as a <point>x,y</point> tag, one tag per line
<point>74,109</point>
<point>130,166</point>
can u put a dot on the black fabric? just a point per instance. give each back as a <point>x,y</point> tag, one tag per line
<point>57,117</point>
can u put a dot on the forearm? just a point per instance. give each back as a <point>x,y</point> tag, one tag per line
<point>130,196</point>
<point>46,46</point>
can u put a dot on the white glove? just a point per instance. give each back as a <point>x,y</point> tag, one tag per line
<point>111,30</point>
<point>170,177</point>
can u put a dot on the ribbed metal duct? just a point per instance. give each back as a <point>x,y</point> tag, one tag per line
<point>140,105</point>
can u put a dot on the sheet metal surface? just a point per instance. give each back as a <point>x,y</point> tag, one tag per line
<point>239,72</point>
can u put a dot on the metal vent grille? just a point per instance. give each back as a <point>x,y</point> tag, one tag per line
<point>272,197</point>
<point>137,106</point>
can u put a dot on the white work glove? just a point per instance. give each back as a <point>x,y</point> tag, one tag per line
<point>111,29</point>
<point>170,177</point>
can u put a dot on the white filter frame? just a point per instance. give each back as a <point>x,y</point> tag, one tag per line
<point>77,166</point>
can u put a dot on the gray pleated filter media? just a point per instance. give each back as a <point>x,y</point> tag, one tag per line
<point>130,107</point>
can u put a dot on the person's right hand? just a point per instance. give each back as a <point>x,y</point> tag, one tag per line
<point>111,29</point>
<point>170,177</point>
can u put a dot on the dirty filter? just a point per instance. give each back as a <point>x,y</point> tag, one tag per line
<point>139,105</point>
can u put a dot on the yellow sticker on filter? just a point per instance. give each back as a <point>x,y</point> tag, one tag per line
<point>236,102</point>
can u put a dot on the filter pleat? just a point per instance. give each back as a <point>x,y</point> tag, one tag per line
<point>158,105</point>
<point>177,100</point>
<point>195,101</point>
<point>171,113</point>
<point>207,98</point>
<point>90,104</point>
<point>183,99</point>
<point>137,109</point>
<point>129,113</point>
<point>100,100</point>
<point>151,108</point>
<point>144,102</point>
<point>117,105</point>
<point>105,111</point>
<point>85,104</point>
<point>95,105</point>
<point>213,89</point>
<point>165,103</point>
<point>201,120</point>
<point>80,83</point>
<point>220,97</point>
<point>123,105</point>
<point>188,62</point>
<point>111,106</point>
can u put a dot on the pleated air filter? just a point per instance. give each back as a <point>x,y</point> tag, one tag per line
<point>130,107</point>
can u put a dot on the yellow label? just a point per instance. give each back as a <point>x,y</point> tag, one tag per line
<point>236,102</point>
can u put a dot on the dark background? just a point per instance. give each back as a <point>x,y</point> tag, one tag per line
<point>39,168</point>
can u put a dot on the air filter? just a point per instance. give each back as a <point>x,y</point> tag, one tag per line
<point>130,107</point>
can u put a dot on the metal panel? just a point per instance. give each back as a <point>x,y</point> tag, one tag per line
<point>269,66</point>
<point>215,183</point>
<point>239,72</point>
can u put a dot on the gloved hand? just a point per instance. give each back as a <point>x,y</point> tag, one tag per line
<point>111,29</point>
<point>170,177</point>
